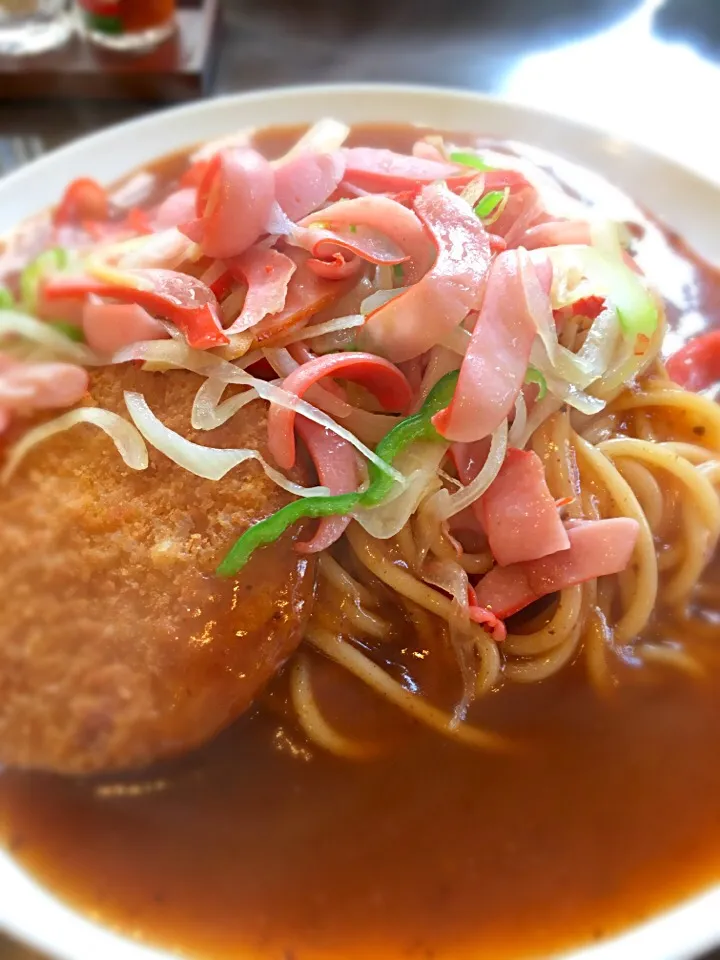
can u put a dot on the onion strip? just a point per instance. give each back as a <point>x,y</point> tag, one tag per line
<point>209,411</point>
<point>130,445</point>
<point>211,463</point>
<point>447,505</point>
<point>16,324</point>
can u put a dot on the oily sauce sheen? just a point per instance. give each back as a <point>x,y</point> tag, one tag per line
<point>258,847</point>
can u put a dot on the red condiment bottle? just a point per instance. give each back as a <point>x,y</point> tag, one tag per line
<point>130,25</point>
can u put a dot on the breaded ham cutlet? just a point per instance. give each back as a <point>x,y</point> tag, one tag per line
<point>118,644</point>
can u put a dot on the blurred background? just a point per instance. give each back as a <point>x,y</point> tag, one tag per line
<point>647,70</point>
<point>644,69</point>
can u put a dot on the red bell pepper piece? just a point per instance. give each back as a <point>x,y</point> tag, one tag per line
<point>182,299</point>
<point>696,366</point>
<point>84,199</point>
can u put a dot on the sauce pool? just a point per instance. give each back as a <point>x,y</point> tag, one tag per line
<point>259,847</point>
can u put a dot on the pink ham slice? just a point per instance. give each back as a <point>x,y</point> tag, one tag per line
<point>377,229</point>
<point>494,367</point>
<point>597,548</point>
<point>234,202</point>
<point>430,309</point>
<point>384,171</point>
<point>175,209</point>
<point>109,327</point>
<point>26,387</point>
<point>307,294</point>
<point>519,512</point>
<point>267,274</point>
<point>336,467</point>
<point>306,181</point>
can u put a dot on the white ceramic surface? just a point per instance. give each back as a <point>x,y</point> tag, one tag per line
<point>685,200</point>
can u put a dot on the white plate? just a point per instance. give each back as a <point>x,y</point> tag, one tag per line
<point>682,198</point>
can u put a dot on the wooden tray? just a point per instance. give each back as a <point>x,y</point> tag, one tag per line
<point>179,69</point>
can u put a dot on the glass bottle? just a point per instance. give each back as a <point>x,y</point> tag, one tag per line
<point>33,26</point>
<point>127,25</point>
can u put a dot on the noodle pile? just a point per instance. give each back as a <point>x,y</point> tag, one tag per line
<point>635,460</point>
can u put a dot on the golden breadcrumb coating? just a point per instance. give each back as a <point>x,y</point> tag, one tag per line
<point>118,645</point>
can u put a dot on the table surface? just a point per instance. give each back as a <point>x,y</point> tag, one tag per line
<point>644,70</point>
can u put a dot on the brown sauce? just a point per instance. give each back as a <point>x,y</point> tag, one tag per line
<point>260,847</point>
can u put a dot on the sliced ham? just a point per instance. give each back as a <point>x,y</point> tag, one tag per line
<point>27,387</point>
<point>384,380</point>
<point>109,327</point>
<point>493,369</point>
<point>175,209</point>
<point>519,512</point>
<point>384,171</point>
<point>267,273</point>
<point>376,228</point>
<point>339,267</point>
<point>433,307</point>
<point>336,467</point>
<point>234,202</point>
<point>307,294</point>
<point>306,181</point>
<point>597,548</point>
<point>324,243</point>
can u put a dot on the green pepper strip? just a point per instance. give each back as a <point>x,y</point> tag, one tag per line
<point>7,301</point>
<point>51,261</point>
<point>489,203</point>
<point>71,331</point>
<point>470,160</point>
<point>417,427</point>
<point>533,375</point>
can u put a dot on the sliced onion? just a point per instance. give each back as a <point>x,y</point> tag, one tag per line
<point>563,389</point>
<point>605,236</point>
<point>320,329</point>
<point>179,355</point>
<point>134,191</point>
<point>210,411</point>
<point>98,266</point>
<point>600,345</point>
<point>384,279</point>
<point>130,445</point>
<point>211,463</point>
<point>378,299</point>
<point>447,505</point>
<point>474,190</point>
<point>280,360</point>
<point>325,136</point>
<point>231,306</point>
<point>166,249</point>
<point>13,323</point>
<point>370,427</point>
<point>517,430</point>
<point>458,340</point>
<point>440,361</point>
<point>283,364</point>
<point>420,464</point>
<point>241,138</point>
<point>592,360</point>
<point>539,414</point>
<point>449,576</point>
